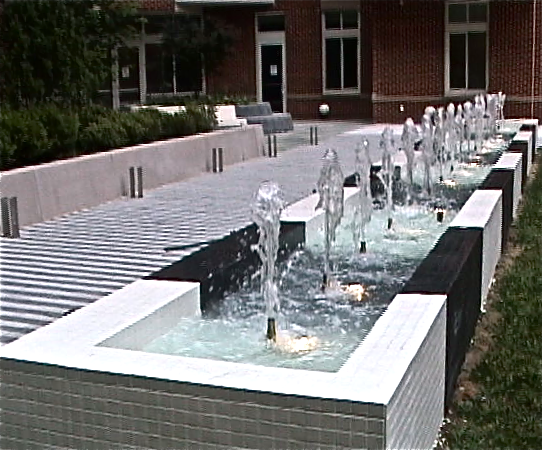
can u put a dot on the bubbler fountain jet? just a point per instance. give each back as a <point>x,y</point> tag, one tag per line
<point>267,208</point>
<point>330,189</point>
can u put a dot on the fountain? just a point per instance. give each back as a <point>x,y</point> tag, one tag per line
<point>387,172</point>
<point>267,209</point>
<point>386,366</point>
<point>427,153</point>
<point>363,206</point>
<point>408,140</point>
<point>330,190</point>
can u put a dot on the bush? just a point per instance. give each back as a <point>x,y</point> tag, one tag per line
<point>22,129</point>
<point>7,151</point>
<point>62,127</point>
<point>104,134</point>
<point>48,132</point>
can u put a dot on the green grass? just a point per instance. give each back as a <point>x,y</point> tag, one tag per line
<point>506,411</point>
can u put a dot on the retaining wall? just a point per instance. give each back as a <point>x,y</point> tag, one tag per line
<point>50,190</point>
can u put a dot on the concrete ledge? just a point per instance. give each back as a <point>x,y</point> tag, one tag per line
<point>531,125</point>
<point>502,180</point>
<point>304,212</point>
<point>50,190</point>
<point>484,210</point>
<point>513,162</point>
<point>522,143</point>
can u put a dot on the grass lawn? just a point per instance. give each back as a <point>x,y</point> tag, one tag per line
<point>499,405</point>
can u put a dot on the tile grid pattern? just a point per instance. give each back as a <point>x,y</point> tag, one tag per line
<point>76,410</point>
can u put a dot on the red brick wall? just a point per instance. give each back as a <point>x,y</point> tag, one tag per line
<point>408,57</point>
<point>303,56</point>
<point>402,58</point>
<point>237,75</point>
<point>511,38</point>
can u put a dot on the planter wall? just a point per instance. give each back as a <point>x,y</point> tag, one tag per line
<point>50,190</point>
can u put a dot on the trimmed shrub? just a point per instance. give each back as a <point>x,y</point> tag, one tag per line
<point>28,135</point>
<point>48,132</point>
<point>62,127</point>
<point>104,134</point>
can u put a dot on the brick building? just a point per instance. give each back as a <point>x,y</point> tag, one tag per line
<point>380,60</point>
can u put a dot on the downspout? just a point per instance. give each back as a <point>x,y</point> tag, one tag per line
<point>533,57</point>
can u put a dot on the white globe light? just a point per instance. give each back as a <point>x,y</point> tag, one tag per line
<point>324,109</point>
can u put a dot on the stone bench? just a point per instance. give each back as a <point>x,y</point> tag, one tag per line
<point>261,113</point>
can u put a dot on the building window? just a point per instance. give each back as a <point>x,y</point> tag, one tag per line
<point>466,46</point>
<point>341,50</point>
<point>166,73</point>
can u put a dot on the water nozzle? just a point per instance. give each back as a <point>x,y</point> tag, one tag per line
<point>324,282</point>
<point>363,247</point>
<point>390,222</point>
<point>271,329</point>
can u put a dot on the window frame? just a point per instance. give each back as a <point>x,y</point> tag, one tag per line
<point>341,34</point>
<point>464,28</point>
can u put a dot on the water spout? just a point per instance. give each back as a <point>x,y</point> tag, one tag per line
<point>330,189</point>
<point>363,206</point>
<point>266,214</point>
<point>387,146</point>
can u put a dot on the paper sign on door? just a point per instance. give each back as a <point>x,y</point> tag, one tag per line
<point>273,70</point>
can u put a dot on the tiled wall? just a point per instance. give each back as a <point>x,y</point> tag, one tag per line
<point>483,210</point>
<point>48,405</point>
<point>417,407</point>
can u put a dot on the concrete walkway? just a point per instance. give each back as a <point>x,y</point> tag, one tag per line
<point>78,258</point>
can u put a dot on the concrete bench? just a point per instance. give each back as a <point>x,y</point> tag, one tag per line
<point>226,117</point>
<point>261,113</point>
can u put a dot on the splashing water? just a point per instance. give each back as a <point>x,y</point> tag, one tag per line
<point>427,152</point>
<point>387,146</point>
<point>330,189</point>
<point>364,205</point>
<point>267,208</point>
<point>408,140</point>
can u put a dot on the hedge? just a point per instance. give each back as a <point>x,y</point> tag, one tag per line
<point>49,132</point>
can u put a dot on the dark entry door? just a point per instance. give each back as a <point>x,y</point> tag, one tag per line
<point>128,74</point>
<point>272,76</point>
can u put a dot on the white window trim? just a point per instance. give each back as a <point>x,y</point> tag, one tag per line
<point>450,28</point>
<point>351,32</point>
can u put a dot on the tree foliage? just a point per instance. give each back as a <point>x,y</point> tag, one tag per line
<point>59,50</point>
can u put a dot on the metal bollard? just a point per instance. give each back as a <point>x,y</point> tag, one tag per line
<point>10,217</point>
<point>6,226</point>
<point>275,145</point>
<point>269,145</point>
<point>314,135</point>
<point>139,172</point>
<point>220,159</point>
<point>214,160</point>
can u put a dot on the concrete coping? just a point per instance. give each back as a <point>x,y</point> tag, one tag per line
<point>508,161</point>
<point>477,211</point>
